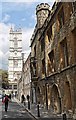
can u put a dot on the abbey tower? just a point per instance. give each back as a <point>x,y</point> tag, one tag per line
<point>15,58</point>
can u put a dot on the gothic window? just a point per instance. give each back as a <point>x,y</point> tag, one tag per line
<point>49,33</point>
<point>61,18</point>
<point>15,86</point>
<point>64,53</point>
<point>15,75</point>
<point>15,63</point>
<point>15,52</point>
<point>43,67</point>
<point>74,43</point>
<point>35,51</point>
<point>74,5</point>
<point>51,62</point>
<point>42,44</point>
<point>15,43</point>
<point>35,69</point>
<point>10,86</point>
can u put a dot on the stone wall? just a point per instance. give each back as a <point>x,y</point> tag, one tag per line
<point>57,87</point>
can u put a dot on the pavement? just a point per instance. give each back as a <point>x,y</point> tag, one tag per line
<point>26,108</point>
<point>42,111</point>
<point>15,111</point>
<point>33,111</point>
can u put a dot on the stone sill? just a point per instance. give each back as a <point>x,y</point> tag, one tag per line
<point>62,70</point>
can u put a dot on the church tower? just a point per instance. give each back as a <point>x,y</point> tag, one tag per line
<point>15,58</point>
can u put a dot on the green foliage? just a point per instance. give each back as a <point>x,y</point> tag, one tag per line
<point>4,78</point>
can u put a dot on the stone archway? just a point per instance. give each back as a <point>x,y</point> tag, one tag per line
<point>67,97</point>
<point>55,99</point>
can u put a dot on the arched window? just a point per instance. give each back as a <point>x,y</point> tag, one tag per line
<point>15,43</point>
<point>15,63</point>
<point>55,99</point>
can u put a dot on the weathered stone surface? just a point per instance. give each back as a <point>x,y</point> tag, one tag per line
<point>57,86</point>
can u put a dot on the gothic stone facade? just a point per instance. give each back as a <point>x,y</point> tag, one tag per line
<point>53,57</point>
<point>26,77</point>
<point>24,83</point>
<point>15,58</point>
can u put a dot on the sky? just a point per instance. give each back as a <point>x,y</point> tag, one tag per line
<point>17,13</point>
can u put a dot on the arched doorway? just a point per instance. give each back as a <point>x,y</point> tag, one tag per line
<point>55,99</point>
<point>67,97</point>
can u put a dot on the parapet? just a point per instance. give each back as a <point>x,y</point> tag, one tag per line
<point>19,30</point>
<point>41,6</point>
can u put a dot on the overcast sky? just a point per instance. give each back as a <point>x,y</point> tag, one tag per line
<point>18,13</point>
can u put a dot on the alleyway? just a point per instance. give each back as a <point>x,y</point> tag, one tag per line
<point>18,112</point>
<point>15,111</point>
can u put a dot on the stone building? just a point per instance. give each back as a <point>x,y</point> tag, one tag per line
<point>53,57</point>
<point>24,83</point>
<point>15,59</point>
<point>19,89</point>
<point>26,77</point>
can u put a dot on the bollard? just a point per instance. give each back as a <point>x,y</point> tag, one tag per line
<point>28,97</point>
<point>38,110</point>
<point>29,105</point>
<point>64,116</point>
<point>24,103</point>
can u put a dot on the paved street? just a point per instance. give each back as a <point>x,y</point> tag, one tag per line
<point>15,111</point>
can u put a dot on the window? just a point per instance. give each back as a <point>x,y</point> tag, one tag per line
<point>43,67</point>
<point>10,86</point>
<point>15,52</point>
<point>74,5</point>
<point>64,53</point>
<point>51,62</point>
<point>15,86</point>
<point>15,75</point>
<point>33,69</point>
<point>15,63</point>
<point>42,45</point>
<point>15,43</point>
<point>61,18</point>
<point>49,33</point>
<point>35,51</point>
<point>74,43</point>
